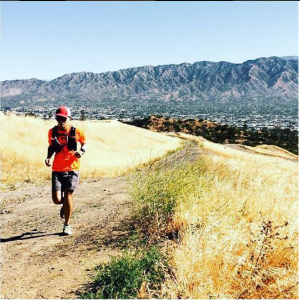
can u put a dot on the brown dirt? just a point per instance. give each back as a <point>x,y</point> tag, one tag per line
<point>37,260</point>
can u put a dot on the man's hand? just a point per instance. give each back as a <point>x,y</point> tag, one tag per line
<point>49,155</point>
<point>47,162</point>
<point>77,154</point>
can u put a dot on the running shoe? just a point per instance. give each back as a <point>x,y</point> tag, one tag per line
<point>67,230</point>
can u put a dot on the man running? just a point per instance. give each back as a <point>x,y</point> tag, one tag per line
<point>63,140</point>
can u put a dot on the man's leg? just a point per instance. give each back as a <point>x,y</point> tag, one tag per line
<point>70,185</point>
<point>68,206</point>
<point>57,197</point>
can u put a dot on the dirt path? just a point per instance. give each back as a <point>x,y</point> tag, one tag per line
<point>37,261</point>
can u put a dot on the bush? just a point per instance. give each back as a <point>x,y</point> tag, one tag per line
<point>125,277</point>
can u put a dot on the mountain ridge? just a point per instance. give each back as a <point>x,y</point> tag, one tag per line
<point>272,79</point>
<point>291,57</point>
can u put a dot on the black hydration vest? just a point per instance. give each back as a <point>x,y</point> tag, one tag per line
<point>71,139</point>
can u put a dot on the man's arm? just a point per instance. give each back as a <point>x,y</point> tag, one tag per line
<point>81,151</point>
<point>83,148</point>
<point>49,155</point>
<point>82,142</point>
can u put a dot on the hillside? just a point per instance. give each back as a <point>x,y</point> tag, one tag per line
<point>114,148</point>
<point>264,83</point>
<point>226,242</point>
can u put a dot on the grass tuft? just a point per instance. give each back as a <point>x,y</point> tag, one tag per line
<point>128,277</point>
<point>156,191</point>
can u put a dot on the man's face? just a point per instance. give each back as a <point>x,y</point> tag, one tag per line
<point>62,123</point>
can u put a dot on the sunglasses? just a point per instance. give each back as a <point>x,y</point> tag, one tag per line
<point>62,119</point>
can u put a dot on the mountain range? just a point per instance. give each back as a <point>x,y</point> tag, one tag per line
<point>263,80</point>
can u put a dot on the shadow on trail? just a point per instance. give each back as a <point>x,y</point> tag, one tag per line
<point>29,235</point>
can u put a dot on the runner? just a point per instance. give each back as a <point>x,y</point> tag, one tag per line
<point>63,140</point>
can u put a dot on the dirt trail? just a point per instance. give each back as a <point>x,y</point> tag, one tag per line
<point>37,261</point>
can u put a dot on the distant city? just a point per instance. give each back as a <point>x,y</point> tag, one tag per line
<point>127,111</point>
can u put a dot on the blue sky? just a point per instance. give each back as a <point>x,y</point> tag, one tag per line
<point>48,39</point>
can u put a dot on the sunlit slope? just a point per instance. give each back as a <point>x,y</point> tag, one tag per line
<point>112,148</point>
<point>272,150</point>
<point>238,227</point>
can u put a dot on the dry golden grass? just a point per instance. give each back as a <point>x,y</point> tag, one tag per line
<point>272,150</point>
<point>113,148</point>
<point>238,231</point>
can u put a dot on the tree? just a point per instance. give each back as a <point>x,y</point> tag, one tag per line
<point>82,115</point>
<point>6,110</point>
<point>30,114</point>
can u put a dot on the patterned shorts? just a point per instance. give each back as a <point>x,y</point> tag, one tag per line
<point>65,181</point>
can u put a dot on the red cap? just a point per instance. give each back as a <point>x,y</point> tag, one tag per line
<point>63,111</point>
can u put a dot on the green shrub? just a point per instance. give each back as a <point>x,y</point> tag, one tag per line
<point>123,277</point>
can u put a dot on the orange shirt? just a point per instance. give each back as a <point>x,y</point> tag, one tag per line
<point>65,160</point>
